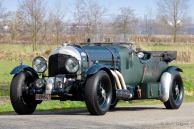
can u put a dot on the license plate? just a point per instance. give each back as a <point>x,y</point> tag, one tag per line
<point>43,97</point>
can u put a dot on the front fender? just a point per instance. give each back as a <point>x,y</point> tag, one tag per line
<point>95,68</point>
<point>21,68</point>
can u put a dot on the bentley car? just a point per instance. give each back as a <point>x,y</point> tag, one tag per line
<point>100,74</point>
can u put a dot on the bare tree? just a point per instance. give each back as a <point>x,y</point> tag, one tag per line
<point>3,16</point>
<point>32,14</point>
<point>173,13</point>
<point>125,21</point>
<point>79,14</point>
<point>13,25</point>
<point>94,17</point>
<point>148,23</point>
<point>56,19</point>
<point>3,11</point>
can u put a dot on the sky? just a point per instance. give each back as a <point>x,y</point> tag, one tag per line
<point>113,6</point>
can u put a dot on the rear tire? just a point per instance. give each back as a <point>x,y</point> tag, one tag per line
<point>22,102</point>
<point>98,92</point>
<point>176,93</point>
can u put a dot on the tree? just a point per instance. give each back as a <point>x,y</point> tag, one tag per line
<point>148,23</point>
<point>3,11</point>
<point>32,14</point>
<point>3,16</point>
<point>79,14</point>
<point>173,13</point>
<point>125,21</point>
<point>56,19</point>
<point>13,25</point>
<point>94,17</point>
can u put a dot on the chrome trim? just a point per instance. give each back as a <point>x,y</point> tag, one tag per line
<point>69,50</point>
<point>118,84</point>
<point>44,59</point>
<point>122,81</point>
<point>50,82</point>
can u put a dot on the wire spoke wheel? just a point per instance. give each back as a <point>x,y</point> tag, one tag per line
<point>176,93</point>
<point>102,94</point>
<point>98,93</point>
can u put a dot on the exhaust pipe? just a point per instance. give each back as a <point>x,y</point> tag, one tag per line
<point>118,84</point>
<point>119,80</point>
<point>122,81</point>
<point>121,92</point>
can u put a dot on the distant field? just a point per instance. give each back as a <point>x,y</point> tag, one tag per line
<point>16,52</point>
<point>185,51</point>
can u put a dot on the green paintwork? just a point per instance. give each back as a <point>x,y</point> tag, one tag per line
<point>150,90</point>
<point>95,68</point>
<point>137,71</point>
<point>145,72</point>
<point>140,74</point>
<point>130,65</point>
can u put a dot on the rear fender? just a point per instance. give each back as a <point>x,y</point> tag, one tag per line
<point>166,81</point>
<point>173,69</point>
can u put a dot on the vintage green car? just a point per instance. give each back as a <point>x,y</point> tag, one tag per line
<point>99,74</point>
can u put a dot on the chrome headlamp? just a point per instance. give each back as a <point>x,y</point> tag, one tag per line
<point>72,65</point>
<point>39,64</point>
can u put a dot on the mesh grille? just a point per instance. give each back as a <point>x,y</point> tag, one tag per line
<point>57,64</point>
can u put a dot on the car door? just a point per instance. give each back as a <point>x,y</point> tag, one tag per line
<point>131,67</point>
<point>152,67</point>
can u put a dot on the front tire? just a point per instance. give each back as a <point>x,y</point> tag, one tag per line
<point>98,92</point>
<point>176,93</point>
<point>22,102</point>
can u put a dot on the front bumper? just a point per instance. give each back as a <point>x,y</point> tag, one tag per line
<point>58,85</point>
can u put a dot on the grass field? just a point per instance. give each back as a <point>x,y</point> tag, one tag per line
<point>10,56</point>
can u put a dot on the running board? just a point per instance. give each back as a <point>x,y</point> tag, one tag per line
<point>123,94</point>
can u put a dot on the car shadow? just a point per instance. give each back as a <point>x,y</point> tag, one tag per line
<point>83,111</point>
<point>136,108</point>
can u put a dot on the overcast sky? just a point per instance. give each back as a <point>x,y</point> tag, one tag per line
<point>113,6</point>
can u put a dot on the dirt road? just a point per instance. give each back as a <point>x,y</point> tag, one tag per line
<point>134,117</point>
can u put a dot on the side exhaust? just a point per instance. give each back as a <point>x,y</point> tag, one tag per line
<point>118,84</point>
<point>122,81</point>
<point>121,92</point>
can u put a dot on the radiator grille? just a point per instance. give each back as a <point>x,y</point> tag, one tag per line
<point>57,64</point>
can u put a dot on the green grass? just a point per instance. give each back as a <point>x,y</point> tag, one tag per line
<point>5,68</point>
<point>46,105</point>
<point>188,77</point>
<point>5,78</point>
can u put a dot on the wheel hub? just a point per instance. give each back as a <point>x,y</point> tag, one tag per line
<point>177,90</point>
<point>103,93</point>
